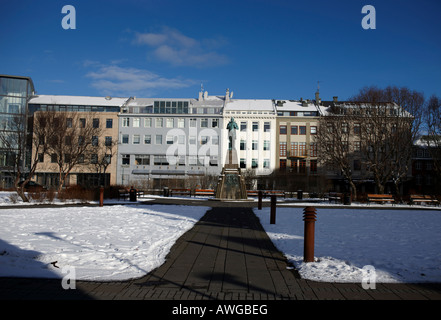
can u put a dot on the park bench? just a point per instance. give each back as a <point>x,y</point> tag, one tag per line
<point>252,193</point>
<point>180,192</point>
<point>203,192</point>
<point>415,198</point>
<point>123,193</point>
<point>334,196</point>
<point>380,198</point>
<point>277,193</point>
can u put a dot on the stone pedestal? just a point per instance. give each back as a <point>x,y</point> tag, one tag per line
<point>231,184</point>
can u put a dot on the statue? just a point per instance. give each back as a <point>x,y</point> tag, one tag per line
<point>232,127</point>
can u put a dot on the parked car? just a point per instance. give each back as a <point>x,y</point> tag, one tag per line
<point>33,186</point>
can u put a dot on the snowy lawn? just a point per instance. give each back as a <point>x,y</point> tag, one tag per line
<point>402,245</point>
<point>107,243</point>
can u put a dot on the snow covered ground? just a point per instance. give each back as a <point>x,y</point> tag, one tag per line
<point>102,243</point>
<point>402,245</point>
<point>127,241</point>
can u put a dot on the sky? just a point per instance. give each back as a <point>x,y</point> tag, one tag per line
<point>258,49</point>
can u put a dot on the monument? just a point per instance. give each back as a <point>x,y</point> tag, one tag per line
<point>231,184</point>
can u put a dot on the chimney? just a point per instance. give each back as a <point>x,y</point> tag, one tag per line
<point>205,95</point>
<point>335,99</point>
<point>227,95</point>
<point>200,95</point>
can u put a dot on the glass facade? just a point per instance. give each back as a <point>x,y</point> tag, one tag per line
<point>14,94</point>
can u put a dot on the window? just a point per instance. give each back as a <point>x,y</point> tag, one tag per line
<point>243,145</point>
<point>181,139</point>
<point>54,158</point>
<point>94,158</point>
<point>147,122</point>
<point>96,122</point>
<point>302,149</point>
<point>158,139</point>
<point>313,166</point>
<point>69,122</point>
<point>357,165</point>
<point>95,141</point>
<point>108,141</point>
<point>243,163</point>
<point>294,130</point>
<point>254,145</point>
<point>158,122</point>
<point>193,123</point>
<point>204,123</point>
<point>68,140</point>
<point>142,159</point>
<point>80,140</point>
<point>215,140</point>
<point>125,139</point>
<point>313,149</point>
<point>109,123</point>
<point>313,130</point>
<point>214,123</point>
<point>266,163</point>
<point>243,126</point>
<point>41,157</point>
<point>160,160</point>
<point>357,128</point>
<point>126,159</point>
<point>294,149</point>
<point>357,146</point>
<point>136,122</point>
<point>302,130</point>
<point>169,139</point>
<point>204,140</point>
<point>282,164</point>
<point>169,123</point>
<point>344,127</point>
<point>147,139</point>
<point>192,139</point>
<point>125,122</point>
<point>266,145</point>
<point>282,130</point>
<point>181,123</point>
<point>254,163</point>
<point>266,127</point>
<point>282,149</point>
<point>255,126</point>
<point>302,166</point>
<point>82,123</point>
<point>136,139</point>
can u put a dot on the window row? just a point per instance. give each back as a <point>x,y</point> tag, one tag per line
<point>255,126</point>
<point>298,149</point>
<point>254,163</point>
<point>95,123</point>
<point>298,166</point>
<point>163,160</point>
<point>296,130</point>
<point>168,122</point>
<point>169,139</point>
<point>94,158</point>
<point>255,145</point>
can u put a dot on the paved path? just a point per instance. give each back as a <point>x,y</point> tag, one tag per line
<point>226,256</point>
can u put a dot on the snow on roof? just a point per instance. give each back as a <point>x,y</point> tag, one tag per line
<point>250,105</point>
<point>77,100</point>
<point>291,105</point>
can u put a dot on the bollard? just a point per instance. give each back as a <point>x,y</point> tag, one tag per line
<point>259,202</point>
<point>309,216</point>
<point>101,196</point>
<point>273,210</point>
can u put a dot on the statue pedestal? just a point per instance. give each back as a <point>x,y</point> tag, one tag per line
<point>231,184</point>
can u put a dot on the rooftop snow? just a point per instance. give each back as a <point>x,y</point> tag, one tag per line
<point>77,100</point>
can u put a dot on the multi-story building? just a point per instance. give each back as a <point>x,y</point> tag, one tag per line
<point>15,92</point>
<point>168,141</point>
<point>103,113</point>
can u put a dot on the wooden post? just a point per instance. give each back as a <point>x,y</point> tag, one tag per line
<point>309,217</point>
<point>101,196</point>
<point>259,202</point>
<point>273,210</point>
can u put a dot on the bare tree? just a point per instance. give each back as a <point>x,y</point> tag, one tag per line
<point>335,145</point>
<point>392,123</point>
<point>101,156</point>
<point>22,153</point>
<point>69,139</point>
<point>433,138</point>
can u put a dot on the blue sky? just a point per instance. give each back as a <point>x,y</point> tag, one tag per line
<point>258,49</point>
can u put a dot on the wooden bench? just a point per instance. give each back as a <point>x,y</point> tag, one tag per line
<point>203,192</point>
<point>380,198</point>
<point>252,193</point>
<point>334,196</point>
<point>277,193</point>
<point>180,192</point>
<point>123,193</point>
<point>415,198</point>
